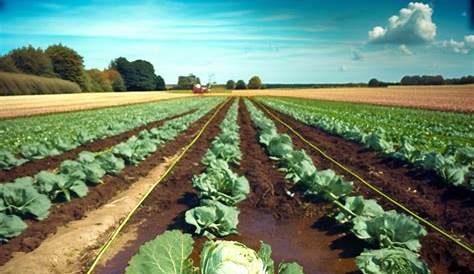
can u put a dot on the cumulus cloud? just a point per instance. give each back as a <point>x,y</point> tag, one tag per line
<point>462,47</point>
<point>413,25</point>
<point>356,55</point>
<point>404,49</point>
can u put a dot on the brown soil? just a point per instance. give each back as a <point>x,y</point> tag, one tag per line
<point>63,251</point>
<point>61,214</point>
<point>164,208</point>
<point>295,229</point>
<point>33,167</point>
<point>444,205</point>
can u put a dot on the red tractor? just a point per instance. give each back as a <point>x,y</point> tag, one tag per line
<point>198,89</point>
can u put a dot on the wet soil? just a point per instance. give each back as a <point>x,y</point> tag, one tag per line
<point>62,213</point>
<point>296,229</point>
<point>33,167</point>
<point>447,206</point>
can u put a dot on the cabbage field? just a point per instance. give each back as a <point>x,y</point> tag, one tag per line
<point>216,184</point>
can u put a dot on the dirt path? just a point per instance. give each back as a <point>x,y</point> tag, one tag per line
<point>27,105</point>
<point>52,162</point>
<point>63,213</point>
<point>63,251</point>
<point>447,206</point>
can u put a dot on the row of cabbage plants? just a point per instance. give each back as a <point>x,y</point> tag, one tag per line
<point>220,189</point>
<point>454,165</point>
<point>75,132</point>
<point>32,197</point>
<point>395,237</point>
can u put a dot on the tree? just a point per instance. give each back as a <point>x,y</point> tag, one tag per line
<point>376,83</point>
<point>7,64</point>
<point>67,64</point>
<point>32,61</point>
<point>115,79</point>
<point>255,83</point>
<point>160,83</point>
<point>230,85</point>
<point>100,82</point>
<point>138,75</point>
<point>188,82</point>
<point>240,85</point>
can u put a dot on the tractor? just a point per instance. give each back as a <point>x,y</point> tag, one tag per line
<point>198,89</point>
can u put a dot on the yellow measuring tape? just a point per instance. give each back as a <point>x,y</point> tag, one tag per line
<point>372,187</point>
<point>114,235</point>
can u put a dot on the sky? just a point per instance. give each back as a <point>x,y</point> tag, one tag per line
<point>295,41</point>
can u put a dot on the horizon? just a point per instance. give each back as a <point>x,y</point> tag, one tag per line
<point>308,43</point>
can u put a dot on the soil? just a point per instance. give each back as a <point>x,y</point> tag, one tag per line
<point>63,213</point>
<point>447,206</point>
<point>62,252</point>
<point>33,167</point>
<point>294,228</point>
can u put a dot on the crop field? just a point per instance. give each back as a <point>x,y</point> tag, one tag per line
<point>275,184</point>
<point>448,98</point>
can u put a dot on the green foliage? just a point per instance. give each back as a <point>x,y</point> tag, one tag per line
<point>280,146</point>
<point>229,257</point>
<point>222,184</point>
<point>138,75</point>
<point>363,210</point>
<point>32,60</point>
<point>7,64</point>
<point>391,229</point>
<point>240,85</point>
<point>160,83</point>
<point>187,82</point>
<point>59,186</point>
<point>111,164</point>
<point>21,198</point>
<point>429,140</point>
<point>230,85</point>
<point>166,254</point>
<point>67,63</point>
<point>169,253</point>
<point>8,160</point>
<point>298,166</point>
<point>290,268</point>
<point>10,226</point>
<point>213,219</point>
<point>255,83</point>
<point>328,185</point>
<point>99,81</point>
<point>391,261</point>
<point>24,84</point>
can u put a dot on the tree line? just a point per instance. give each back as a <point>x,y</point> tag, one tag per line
<point>61,62</point>
<point>416,80</point>
<point>254,83</point>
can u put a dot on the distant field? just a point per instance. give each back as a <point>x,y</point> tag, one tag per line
<point>452,98</point>
<point>15,106</point>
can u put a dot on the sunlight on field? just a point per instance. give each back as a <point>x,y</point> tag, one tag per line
<point>452,98</point>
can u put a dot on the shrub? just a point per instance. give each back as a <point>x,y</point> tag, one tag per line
<point>188,82</point>
<point>138,75</point>
<point>240,85</point>
<point>255,83</point>
<point>23,84</point>
<point>230,85</point>
<point>100,82</point>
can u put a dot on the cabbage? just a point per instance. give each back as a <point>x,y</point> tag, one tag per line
<point>229,257</point>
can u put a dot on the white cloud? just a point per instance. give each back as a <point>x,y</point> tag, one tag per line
<point>343,68</point>
<point>356,55</point>
<point>462,47</point>
<point>412,25</point>
<point>404,49</point>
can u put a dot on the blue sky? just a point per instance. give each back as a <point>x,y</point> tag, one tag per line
<point>282,41</point>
